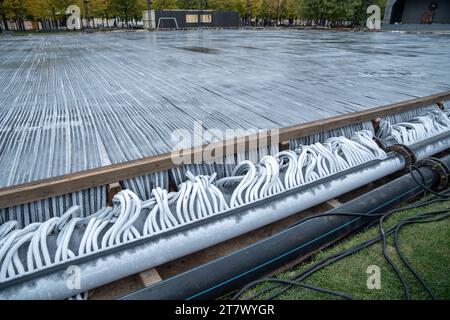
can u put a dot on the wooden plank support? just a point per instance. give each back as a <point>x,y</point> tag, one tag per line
<point>149,277</point>
<point>284,145</point>
<point>333,203</point>
<point>111,190</point>
<point>42,189</point>
<point>376,124</point>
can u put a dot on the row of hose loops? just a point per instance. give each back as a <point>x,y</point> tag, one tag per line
<point>65,229</point>
<point>95,225</point>
<point>160,218</point>
<point>198,198</point>
<point>35,234</point>
<point>7,227</point>
<point>365,139</point>
<point>431,123</point>
<point>243,175</point>
<point>300,166</point>
<point>38,247</point>
<point>123,229</point>
<point>9,248</point>
<point>254,181</point>
<point>350,151</point>
<point>288,162</point>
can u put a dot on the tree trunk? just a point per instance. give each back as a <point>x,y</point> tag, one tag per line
<point>5,22</point>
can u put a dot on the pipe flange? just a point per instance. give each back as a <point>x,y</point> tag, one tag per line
<point>442,170</point>
<point>405,151</point>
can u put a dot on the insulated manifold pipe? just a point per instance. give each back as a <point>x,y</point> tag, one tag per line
<point>136,235</point>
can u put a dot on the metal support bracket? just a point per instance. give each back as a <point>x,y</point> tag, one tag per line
<point>441,168</point>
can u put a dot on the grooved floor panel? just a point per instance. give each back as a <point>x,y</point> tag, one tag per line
<point>80,101</point>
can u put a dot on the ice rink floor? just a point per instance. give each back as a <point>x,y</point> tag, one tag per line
<point>79,101</point>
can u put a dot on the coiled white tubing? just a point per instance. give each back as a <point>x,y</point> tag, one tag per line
<point>197,198</point>
<point>300,166</point>
<point>417,129</point>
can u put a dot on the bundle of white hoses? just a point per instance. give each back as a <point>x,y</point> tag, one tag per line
<point>429,124</point>
<point>255,181</point>
<point>294,168</point>
<point>198,198</point>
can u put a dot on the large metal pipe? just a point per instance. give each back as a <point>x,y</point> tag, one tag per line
<point>109,265</point>
<point>225,274</point>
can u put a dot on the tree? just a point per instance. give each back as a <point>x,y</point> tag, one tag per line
<point>17,10</point>
<point>3,15</point>
<point>128,9</point>
<point>293,8</point>
<point>190,4</point>
<point>165,4</point>
<point>100,8</point>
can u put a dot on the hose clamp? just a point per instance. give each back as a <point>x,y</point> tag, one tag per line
<point>405,151</point>
<point>441,168</point>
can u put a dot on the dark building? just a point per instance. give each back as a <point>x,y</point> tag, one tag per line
<point>425,12</point>
<point>184,19</point>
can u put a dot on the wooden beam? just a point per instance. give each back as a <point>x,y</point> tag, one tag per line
<point>149,277</point>
<point>42,189</point>
<point>111,190</point>
<point>333,203</point>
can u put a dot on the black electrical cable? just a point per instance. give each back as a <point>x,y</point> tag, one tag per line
<point>337,256</point>
<point>331,259</point>
<point>405,260</point>
<point>391,263</point>
<point>310,287</point>
<point>325,262</point>
<point>394,267</point>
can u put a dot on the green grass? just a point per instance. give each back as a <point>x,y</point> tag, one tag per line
<point>426,246</point>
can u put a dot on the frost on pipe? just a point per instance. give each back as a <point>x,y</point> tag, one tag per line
<point>59,239</point>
